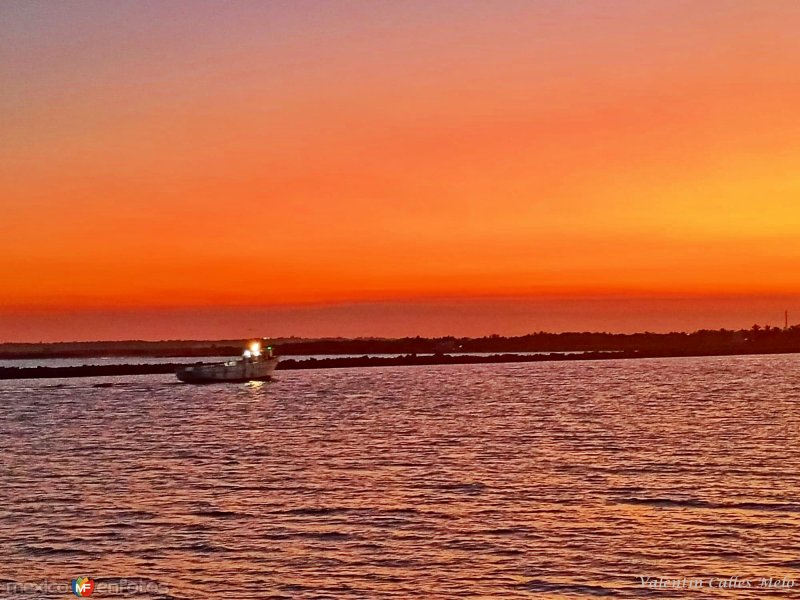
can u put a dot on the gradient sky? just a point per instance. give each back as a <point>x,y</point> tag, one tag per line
<point>216,169</point>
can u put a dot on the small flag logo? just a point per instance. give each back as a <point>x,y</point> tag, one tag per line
<point>82,587</point>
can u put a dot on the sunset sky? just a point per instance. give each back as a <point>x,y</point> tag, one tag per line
<point>221,169</point>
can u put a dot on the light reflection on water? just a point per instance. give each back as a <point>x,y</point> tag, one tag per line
<point>555,480</point>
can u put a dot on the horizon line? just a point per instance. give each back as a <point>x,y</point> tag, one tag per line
<point>295,338</point>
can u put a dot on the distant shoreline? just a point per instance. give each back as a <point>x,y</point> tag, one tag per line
<point>756,340</point>
<point>43,372</point>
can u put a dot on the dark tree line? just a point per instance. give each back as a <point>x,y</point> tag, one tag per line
<point>757,339</point>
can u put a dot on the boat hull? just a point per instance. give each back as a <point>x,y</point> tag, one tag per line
<point>233,372</point>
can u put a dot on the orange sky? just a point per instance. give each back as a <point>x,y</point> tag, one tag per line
<point>204,156</point>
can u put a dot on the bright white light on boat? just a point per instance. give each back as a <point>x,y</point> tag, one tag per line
<point>255,349</point>
<point>247,354</point>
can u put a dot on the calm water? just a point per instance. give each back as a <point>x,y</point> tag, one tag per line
<point>158,360</point>
<point>551,480</point>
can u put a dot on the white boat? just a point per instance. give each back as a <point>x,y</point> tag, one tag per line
<point>253,366</point>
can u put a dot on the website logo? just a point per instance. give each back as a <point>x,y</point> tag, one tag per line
<point>82,587</point>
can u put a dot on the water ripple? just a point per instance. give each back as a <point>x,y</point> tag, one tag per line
<point>551,480</point>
